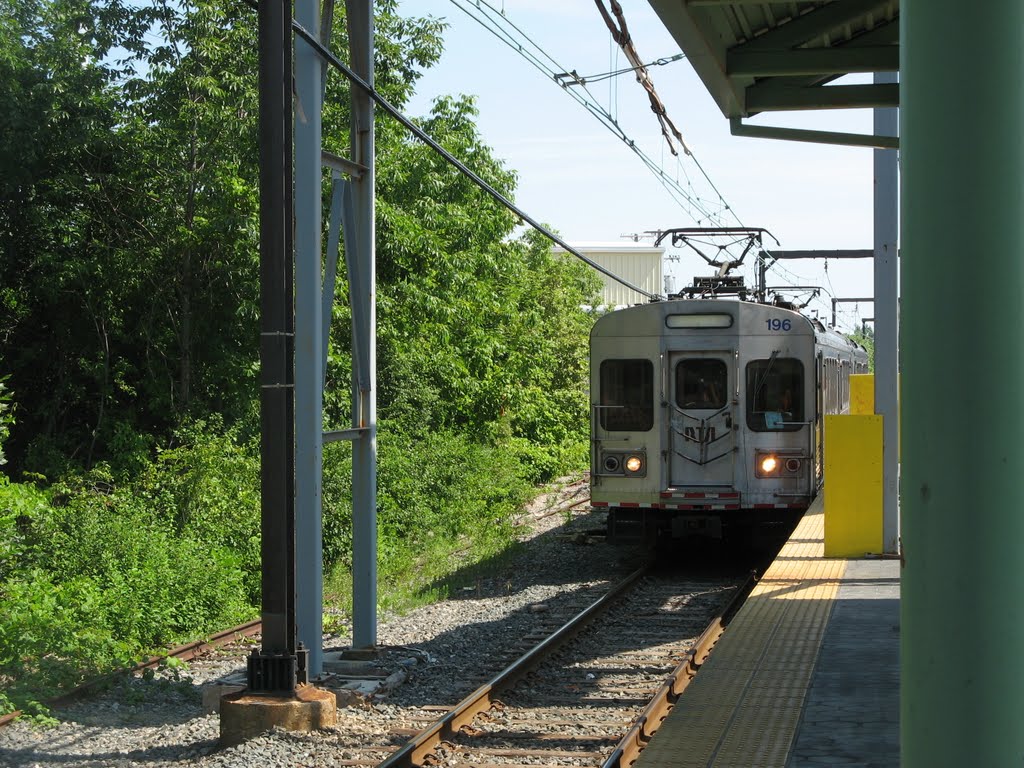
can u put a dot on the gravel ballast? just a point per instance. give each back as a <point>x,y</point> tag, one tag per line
<point>432,656</point>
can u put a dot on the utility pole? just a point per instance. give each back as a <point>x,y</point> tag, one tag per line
<point>364,319</point>
<point>309,70</point>
<point>276,668</point>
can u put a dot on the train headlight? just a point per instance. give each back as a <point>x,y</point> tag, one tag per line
<point>767,465</point>
<point>773,465</point>
<point>623,464</point>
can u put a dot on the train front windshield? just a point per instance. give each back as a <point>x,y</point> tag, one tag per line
<point>775,394</point>
<point>627,395</point>
<point>702,383</point>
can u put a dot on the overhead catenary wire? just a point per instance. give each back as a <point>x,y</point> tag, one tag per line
<point>834,294</point>
<point>620,33</point>
<point>495,22</point>
<point>420,134</point>
<point>569,78</point>
<point>685,196</point>
<point>671,186</point>
<point>700,209</point>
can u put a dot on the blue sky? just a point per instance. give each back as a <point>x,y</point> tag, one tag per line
<point>577,176</point>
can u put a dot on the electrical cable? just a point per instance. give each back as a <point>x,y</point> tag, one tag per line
<point>499,25</point>
<point>698,208</point>
<point>420,134</point>
<point>583,80</point>
<point>620,34</point>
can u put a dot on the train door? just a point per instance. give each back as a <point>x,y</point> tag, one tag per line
<point>701,403</point>
<point>819,419</point>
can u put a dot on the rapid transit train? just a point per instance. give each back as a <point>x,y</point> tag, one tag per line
<point>707,415</point>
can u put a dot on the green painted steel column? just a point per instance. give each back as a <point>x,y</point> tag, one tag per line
<point>962,110</point>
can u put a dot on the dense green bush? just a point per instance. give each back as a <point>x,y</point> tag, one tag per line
<point>434,483</point>
<point>94,572</point>
<point>6,417</point>
<point>207,489</point>
<point>129,328</point>
<point>93,576</point>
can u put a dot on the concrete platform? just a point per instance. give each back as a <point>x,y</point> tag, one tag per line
<point>806,675</point>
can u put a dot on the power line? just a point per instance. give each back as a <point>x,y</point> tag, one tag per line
<point>619,31</point>
<point>420,134</point>
<point>573,78</point>
<point>519,41</point>
<point>698,208</point>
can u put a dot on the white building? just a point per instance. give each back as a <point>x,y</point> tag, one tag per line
<point>638,264</point>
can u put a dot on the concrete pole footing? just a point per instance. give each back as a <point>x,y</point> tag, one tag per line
<point>244,715</point>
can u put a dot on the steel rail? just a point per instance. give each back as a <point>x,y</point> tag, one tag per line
<point>415,751</point>
<point>189,651</point>
<point>654,714</point>
<point>185,652</point>
<point>563,508</point>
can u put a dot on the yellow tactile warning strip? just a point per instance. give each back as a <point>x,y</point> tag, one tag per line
<point>743,707</point>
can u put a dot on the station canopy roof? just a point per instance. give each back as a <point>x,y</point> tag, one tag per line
<point>757,56</point>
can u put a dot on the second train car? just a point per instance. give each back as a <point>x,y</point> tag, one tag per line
<point>707,415</point>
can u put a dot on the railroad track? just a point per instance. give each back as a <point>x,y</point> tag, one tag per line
<point>571,499</point>
<point>185,652</point>
<point>595,691</point>
<point>588,693</point>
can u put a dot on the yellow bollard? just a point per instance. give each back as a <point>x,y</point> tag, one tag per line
<point>853,485</point>
<point>862,394</point>
<point>862,398</point>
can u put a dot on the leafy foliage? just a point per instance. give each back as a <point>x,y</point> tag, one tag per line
<point>129,326</point>
<point>6,416</point>
<point>866,338</point>
<point>93,575</point>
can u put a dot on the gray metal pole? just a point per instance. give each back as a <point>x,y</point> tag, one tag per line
<point>886,204</point>
<point>364,325</point>
<point>962,617</point>
<point>308,349</point>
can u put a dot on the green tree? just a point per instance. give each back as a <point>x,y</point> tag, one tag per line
<point>128,221</point>
<point>60,200</point>
<point>6,416</point>
<point>128,324</point>
<point>866,338</point>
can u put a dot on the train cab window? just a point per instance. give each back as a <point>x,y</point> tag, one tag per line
<point>702,383</point>
<point>627,395</point>
<point>775,394</point>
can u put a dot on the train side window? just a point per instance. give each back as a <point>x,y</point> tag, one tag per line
<point>775,394</point>
<point>702,383</point>
<point>627,395</point>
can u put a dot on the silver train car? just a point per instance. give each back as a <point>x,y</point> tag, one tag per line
<point>707,415</point>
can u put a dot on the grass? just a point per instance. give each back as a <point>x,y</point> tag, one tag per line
<point>426,574</point>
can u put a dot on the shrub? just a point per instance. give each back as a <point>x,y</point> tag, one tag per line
<point>6,416</point>
<point>95,575</point>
